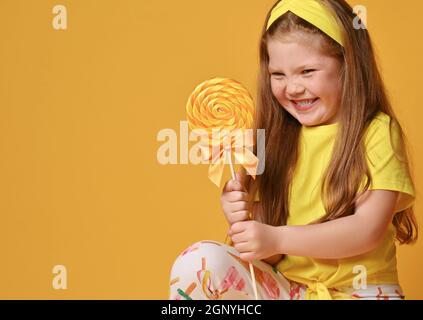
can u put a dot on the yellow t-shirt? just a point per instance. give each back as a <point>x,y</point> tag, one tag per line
<point>305,205</point>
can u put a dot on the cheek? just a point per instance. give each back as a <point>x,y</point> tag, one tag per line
<point>320,88</point>
<point>328,87</point>
<point>277,90</point>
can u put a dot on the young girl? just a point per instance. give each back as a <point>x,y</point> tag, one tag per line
<point>336,190</point>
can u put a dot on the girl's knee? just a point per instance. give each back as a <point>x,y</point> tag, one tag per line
<point>214,250</point>
<point>204,254</point>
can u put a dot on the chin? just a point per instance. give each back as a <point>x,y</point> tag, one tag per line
<point>304,121</point>
<point>312,119</point>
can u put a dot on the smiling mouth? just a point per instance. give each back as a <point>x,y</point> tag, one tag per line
<point>304,104</point>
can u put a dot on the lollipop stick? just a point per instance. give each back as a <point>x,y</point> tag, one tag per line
<point>228,151</point>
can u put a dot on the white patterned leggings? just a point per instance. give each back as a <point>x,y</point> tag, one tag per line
<point>210,270</point>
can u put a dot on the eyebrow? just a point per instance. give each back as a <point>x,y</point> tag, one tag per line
<point>302,67</point>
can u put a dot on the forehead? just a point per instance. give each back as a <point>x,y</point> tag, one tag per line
<point>292,51</point>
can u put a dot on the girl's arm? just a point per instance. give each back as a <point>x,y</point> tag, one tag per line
<point>257,214</point>
<point>344,237</point>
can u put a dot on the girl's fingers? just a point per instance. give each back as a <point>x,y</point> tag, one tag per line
<point>233,185</point>
<point>238,206</point>
<point>238,237</point>
<point>241,246</point>
<point>237,227</point>
<point>240,215</point>
<point>235,196</point>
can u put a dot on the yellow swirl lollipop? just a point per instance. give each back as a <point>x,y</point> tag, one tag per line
<point>223,109</point>
<point>224,106</point>
<point>220,103</point>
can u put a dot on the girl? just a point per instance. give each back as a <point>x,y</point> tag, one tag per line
<point>336,190</point>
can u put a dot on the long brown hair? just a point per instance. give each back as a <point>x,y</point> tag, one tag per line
<point>363,96</point>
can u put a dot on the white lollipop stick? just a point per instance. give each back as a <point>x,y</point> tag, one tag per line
<point>228,151</point>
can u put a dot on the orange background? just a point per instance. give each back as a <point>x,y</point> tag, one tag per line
<point>80,110</point>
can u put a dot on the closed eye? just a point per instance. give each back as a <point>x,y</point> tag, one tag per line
<point>308,71</point>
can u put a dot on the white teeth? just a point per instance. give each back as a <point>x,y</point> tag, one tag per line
<point>305,103</point>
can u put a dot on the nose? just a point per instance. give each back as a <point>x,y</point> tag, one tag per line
<point>294,89</point>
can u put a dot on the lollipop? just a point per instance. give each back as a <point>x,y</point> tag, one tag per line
<point>220,110</point>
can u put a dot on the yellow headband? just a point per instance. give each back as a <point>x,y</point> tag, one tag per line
<point>314,12</point>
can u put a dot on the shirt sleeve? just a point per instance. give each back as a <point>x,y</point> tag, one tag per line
<point>386,162</point>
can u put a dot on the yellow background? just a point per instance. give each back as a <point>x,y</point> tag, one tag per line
<point>80,110</point>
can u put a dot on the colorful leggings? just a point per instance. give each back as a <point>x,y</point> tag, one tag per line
<point>209,270</point>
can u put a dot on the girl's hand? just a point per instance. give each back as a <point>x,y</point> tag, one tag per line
<point>234,200</point>
<point>255,240</point>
